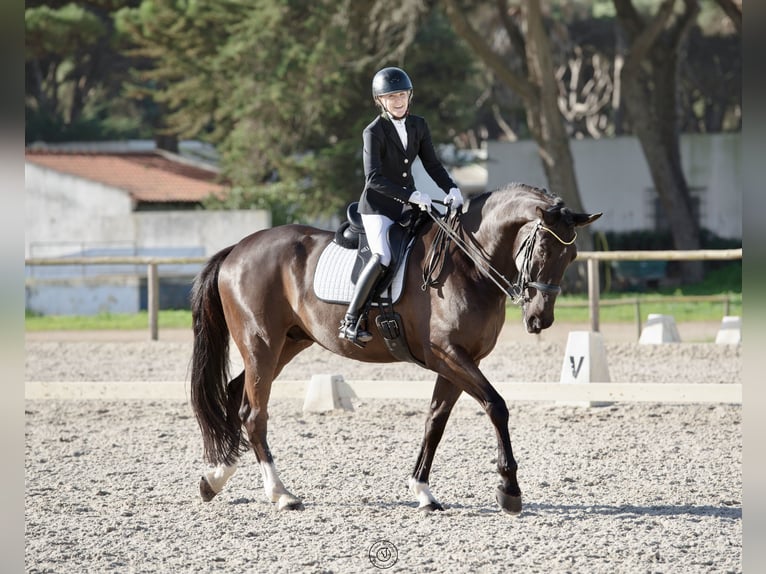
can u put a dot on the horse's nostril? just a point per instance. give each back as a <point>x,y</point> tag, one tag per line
<point>533,324</point>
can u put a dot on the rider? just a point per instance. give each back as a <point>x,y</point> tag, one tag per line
<point>392,142</point>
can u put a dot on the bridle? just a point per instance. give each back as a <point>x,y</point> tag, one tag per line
<point>527,248</point>
<point>518,291</point>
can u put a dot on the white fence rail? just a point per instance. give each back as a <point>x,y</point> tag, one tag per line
<point>366,390</point>
<point>591,257</point>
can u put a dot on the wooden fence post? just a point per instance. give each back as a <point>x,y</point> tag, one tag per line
<point>593,294</point>
<point>153,300</point>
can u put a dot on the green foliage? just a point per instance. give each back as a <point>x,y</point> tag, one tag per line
<point>74,74</point>
<point>284,199</point>
<point>279,87</point>
<point>68,30</point>
<point>265,82</point>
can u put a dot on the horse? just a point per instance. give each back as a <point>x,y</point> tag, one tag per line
<point>258,293</point>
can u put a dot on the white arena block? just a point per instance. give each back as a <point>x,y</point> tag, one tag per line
<point>584,362</point>
<point>327,393</point>
<point>730,332</point>
<point>659,329</point>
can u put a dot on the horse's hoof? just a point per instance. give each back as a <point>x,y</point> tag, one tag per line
<point>508,503</point>
<point>286,502</point>
<point>205,490</point>
<point>432,507</point>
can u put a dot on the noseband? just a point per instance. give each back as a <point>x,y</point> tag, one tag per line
<point>518,292</point>
<point>523,280</point>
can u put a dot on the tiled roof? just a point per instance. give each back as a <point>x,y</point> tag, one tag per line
<point>154,177</point>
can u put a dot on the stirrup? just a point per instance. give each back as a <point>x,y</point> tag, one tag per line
<point>349,329</point>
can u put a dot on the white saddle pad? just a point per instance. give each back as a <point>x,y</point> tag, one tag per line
<point>332,279</point>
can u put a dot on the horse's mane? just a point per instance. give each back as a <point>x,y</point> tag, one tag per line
<point>516,193</point>
<point>517,189</point>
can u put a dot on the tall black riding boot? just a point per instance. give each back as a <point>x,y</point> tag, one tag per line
<point>349,327</point>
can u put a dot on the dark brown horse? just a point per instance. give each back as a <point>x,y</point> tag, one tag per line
<point>260,292</point>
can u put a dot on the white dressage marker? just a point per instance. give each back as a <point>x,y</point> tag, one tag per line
<point>659,329</point>
<point>584,362</point>
<point>730,332</point>
<point>327,393</point>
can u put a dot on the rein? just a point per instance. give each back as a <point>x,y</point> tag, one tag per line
<point>515,291</point>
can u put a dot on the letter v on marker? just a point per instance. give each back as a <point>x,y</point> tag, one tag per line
<point>575,370</point>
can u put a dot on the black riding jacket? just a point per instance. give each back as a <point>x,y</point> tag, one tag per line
<point>388,166</point>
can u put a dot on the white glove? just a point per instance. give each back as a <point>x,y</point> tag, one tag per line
<point>422,200</point>
<point>455,198</point>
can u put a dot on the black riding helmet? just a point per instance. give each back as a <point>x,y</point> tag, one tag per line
<point>388,81</point>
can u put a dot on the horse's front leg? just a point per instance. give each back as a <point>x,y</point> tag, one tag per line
<point>508,494</point>
<point>461,369</point>
<point>444,397</point>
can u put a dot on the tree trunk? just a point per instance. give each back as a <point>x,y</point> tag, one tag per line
<point>543,114</point>
<point>538,89</point>
<point>650,92</point>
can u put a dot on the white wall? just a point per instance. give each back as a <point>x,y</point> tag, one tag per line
<point>211,230</point>
<point>69,216</point>
<point>64,213</point>
<point>83,296</point>
<point>613,177</point>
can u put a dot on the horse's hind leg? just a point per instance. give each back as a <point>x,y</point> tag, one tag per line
<point>260,372</point>
<point>213,481</point>
<point>444,397</point>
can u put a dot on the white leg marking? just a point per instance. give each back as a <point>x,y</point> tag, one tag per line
<point>275,490</point>
<point>271,483</point>
<point>422,492</point>
<point>219,476</point>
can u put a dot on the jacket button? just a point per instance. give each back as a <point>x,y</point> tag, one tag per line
<point>406,160</point>
<point>404,174</point>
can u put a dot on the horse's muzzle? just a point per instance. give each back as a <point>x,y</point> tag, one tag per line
<point>536,319</point>
<point>533,324</point>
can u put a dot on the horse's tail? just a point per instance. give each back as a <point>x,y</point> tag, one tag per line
<point>221,429</point>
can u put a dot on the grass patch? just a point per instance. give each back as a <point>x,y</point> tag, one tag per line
<point>622,308</point>
<point>169,319</point>
<point>569,308</point>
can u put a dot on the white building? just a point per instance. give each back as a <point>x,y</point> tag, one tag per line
<point>120,202</point>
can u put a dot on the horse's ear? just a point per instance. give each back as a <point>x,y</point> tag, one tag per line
<point>552,215</point>
<point>583,219</point>
<point>547,216</point>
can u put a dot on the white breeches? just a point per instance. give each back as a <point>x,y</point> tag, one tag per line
<point>376,228</point>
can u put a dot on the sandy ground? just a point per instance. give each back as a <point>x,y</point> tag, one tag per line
<point>111,486</point>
